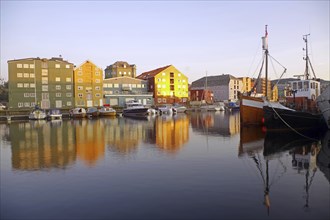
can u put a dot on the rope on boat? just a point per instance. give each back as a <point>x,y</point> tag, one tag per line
<point>297,132</point>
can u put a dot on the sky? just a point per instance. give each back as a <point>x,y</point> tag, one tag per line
<point>198,37</point>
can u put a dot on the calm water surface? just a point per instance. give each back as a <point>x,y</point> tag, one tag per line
<point>187,166</point>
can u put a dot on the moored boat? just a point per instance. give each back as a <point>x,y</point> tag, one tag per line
<point>135,109</point>
<point>92,112</point>
<point>251,104</point>
<point>107,110</point>
<point>78,113</point>
<point>37,114</point>
<point>54,114</point>
<point>178,108</point>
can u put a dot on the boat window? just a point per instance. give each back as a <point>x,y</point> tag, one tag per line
<point>299,85</point>
<point>294,86</point>
<point>306,84</point>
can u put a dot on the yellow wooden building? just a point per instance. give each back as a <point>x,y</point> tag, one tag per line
<point>168,85</point>
<point>88,85</point>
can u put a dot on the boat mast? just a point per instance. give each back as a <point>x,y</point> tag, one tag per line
<point>265,48</point>
<point>307,59</point>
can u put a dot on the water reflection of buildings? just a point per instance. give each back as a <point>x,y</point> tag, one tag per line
<point>41,145</point>
<point>123,135</point>
<point>215,123</point>
<point>172,132</point>
<point>89,138</point>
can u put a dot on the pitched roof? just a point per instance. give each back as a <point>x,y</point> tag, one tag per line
<point>152,73</point>
<point>212,81</point>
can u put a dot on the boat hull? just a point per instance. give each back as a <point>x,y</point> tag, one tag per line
<point>323,102</point>
<point>278,120</point>
<point>251,110</point>
<point>136,112</point>
<point>105,114</point>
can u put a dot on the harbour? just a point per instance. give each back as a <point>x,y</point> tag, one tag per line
<point>193,165</point>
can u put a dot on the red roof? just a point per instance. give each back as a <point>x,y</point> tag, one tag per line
<point>152,73</point>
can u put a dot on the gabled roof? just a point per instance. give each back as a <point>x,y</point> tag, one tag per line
<point>152,73</point>
<point>212,81</point>
<point>87,61</point>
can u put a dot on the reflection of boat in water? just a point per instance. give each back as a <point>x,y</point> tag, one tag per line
<point>54,114</point>
<point>251,140</point>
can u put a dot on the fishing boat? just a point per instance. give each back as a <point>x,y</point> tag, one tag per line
<point>251,104</point>
<point>301,97</point>
<point>107,110</point>
<point>37,114</point>
<point>92,112</point>
<point>135,109</point>
<point>54,114</point>
<point>323,102</point>
<point>78,113</point>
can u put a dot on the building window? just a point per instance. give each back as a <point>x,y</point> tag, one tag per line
<point>26,85</point>
<point>80,80</point>
<point>159,100</point>
<point>32,85</point>
<point>26,95</point>
<point>97,95</point>
<point>80,95</point>
<point>58,94</point>
<point>32,95</point>
<point>164,100</point>
<point>163,74</point>
<point>58,87</point>
<point>19,75</point>
<point>133,85</point>
<point>79,72</point>
<point>171,74</point>
<point>129,73</point>
<point>139,85</point>
<point>26,65</point>
<point>68,79</point>
<point>20,104</point>
<point>32,75</point>
<point>26,75</point>
<point>97,73</point>
<point>44,65</point>
<point>69,95</point>
<point>45,96</point>
<point>19,65</point>
<point>179,74</point>
<point>68,103</point>
<point>31,66</point>
<point>57,66</point>
<point>19,85</point>
<point>159,86</point>
<point>44,88</point>
<point>67,66</point>
<point>80,88</point>
<point>58,79</point>
<point>97,88</point>
<point>44,72</point>
<point>97,81</point>
<point>119,73</point>
<point>68,87</point>
<point>44,80</point>
<point>116,85</point>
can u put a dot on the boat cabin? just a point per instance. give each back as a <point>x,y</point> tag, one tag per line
<point>301,94</point>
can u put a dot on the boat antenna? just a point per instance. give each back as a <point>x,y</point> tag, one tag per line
<point>306,58</point>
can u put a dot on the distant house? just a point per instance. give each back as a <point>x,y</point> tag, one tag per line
<point>119,90</point>
<point>168,85</point>
<point>223,87</point>
<point>119,69</point>
<point>88,85</point>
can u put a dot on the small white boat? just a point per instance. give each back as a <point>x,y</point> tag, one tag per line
<point>178,108</point>
<point>37,114</point>
<point>92,112</point>
<point>323,102</point>
<point>54,114</point>
<point>165,109</point>
<point>106,110</point>
<point>78,113</point>
<point>152,111</point>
